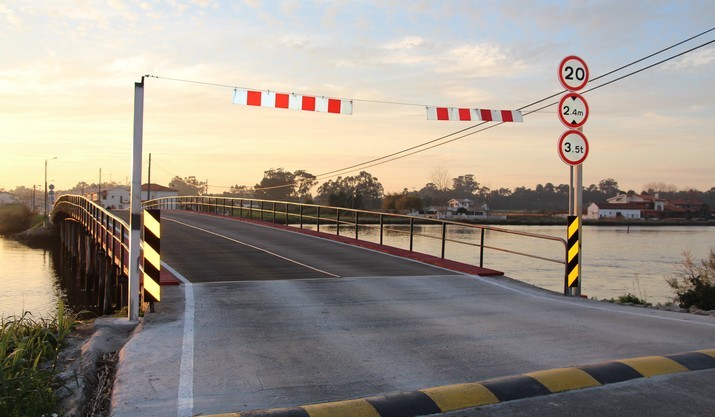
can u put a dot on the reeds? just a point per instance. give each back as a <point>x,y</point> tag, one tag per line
<point>28,353</point>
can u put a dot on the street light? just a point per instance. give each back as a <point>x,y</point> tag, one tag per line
<point>46,183</point>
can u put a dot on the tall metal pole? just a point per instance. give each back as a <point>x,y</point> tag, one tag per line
<point>579,212</point>
<point>571,192</point>
<point>99,188</point>
<point>135,202</point>
<point>45,188</point>
<point>148,180</point>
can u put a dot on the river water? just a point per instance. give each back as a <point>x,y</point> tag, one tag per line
<point>34,280</point>
<point>616,260</point>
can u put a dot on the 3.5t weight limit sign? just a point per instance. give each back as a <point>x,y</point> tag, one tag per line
<point>573,73</point>
<point>573,147</point>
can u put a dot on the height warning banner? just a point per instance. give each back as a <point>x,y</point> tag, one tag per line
<point>292,101</point>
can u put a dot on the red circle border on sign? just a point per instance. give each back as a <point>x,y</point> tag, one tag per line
<point>561,141</point>
<point>561,68</point>
<point>561,105</point>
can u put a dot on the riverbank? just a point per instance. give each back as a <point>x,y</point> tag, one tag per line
<point>87,365</point>
<point>560,221</point>
<point>44,236</point>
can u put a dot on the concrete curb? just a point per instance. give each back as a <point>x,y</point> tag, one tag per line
<point>475,394</point>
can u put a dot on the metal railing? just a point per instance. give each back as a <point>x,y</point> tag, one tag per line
<point>357,223</point>
<point>107,230</point>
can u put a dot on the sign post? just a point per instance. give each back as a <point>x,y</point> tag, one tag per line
<point>573,149</point>
<point>135,203</point>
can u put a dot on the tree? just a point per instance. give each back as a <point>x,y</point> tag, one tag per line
<point>409,202</point>
<point>188,186</point>
<point>360,191</point>
<point>305,182</point>
<point>660,187</point>
<point>440,178</point>
<point>279,184</point>
<point>404,201</point>
<point>465,186</point>
<point>239,191</point>
<point>609,187</point>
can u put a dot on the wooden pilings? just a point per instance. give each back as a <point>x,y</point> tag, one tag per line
<point>95,265</point>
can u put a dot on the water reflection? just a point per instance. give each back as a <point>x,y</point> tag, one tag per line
<point>35,279</point>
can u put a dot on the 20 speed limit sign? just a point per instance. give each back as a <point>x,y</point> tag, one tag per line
<point>573,73</point>
<point>573,147</point>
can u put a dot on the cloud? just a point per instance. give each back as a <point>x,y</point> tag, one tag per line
<point>120,7</point>
<point>406,43</point>
<point>692,61</point>
<point>10,16</point>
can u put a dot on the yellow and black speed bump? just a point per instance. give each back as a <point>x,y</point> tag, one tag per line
<point>475,394</point>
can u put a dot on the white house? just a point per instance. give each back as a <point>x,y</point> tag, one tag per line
<point>8,198</point>
<point>613,211</point>
<point>454,205</point>
<point>116,198</point>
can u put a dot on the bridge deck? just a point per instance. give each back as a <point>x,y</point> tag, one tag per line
<point>315,321</point>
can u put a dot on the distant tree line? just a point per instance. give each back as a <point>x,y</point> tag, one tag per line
<point>364,191</point>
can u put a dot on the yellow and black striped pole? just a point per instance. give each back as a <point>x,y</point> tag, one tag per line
<point>572,258</point>
<point>152,258</point>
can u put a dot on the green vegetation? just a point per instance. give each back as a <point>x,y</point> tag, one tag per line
<point>628,299</point>
<point>16,218</point>
<point>694,282</point>
<point>28,350</point>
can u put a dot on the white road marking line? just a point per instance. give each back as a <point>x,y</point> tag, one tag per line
<point>254,247</point>
<point>185,404</point>
<point>565,300</point>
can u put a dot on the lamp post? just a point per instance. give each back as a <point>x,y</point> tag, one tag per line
<point>46,183</point>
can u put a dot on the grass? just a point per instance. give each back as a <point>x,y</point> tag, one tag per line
<point>628,299</point>
<point>28,350</point>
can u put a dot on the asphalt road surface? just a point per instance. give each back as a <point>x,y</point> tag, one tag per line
<point>269,318</point>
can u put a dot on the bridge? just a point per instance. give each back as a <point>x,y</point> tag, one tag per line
<point>271,315</point>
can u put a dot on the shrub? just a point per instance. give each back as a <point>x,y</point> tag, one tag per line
<point>694,282</point>
<point>630,298</point>
<point>14,218</point>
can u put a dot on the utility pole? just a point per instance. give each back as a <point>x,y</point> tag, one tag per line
<point>148,181</point>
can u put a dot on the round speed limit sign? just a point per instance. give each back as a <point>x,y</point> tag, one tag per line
<point>573,147</point>
<point>573,73</point>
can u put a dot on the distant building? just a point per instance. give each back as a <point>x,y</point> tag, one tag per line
<point>614,211</point>
<point>115,198</point>
<point>157,191</point>
<point>454,205</point>
<point>8,198</point>
<point>634,206</point>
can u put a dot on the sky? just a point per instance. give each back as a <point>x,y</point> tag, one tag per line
<point>68,71</point>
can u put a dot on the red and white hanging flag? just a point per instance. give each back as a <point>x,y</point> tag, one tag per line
<point>292,101</point>
<point>471,115</point>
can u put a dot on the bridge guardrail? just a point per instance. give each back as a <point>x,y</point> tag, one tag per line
<point>300,215</point>
<point>107,230</point>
